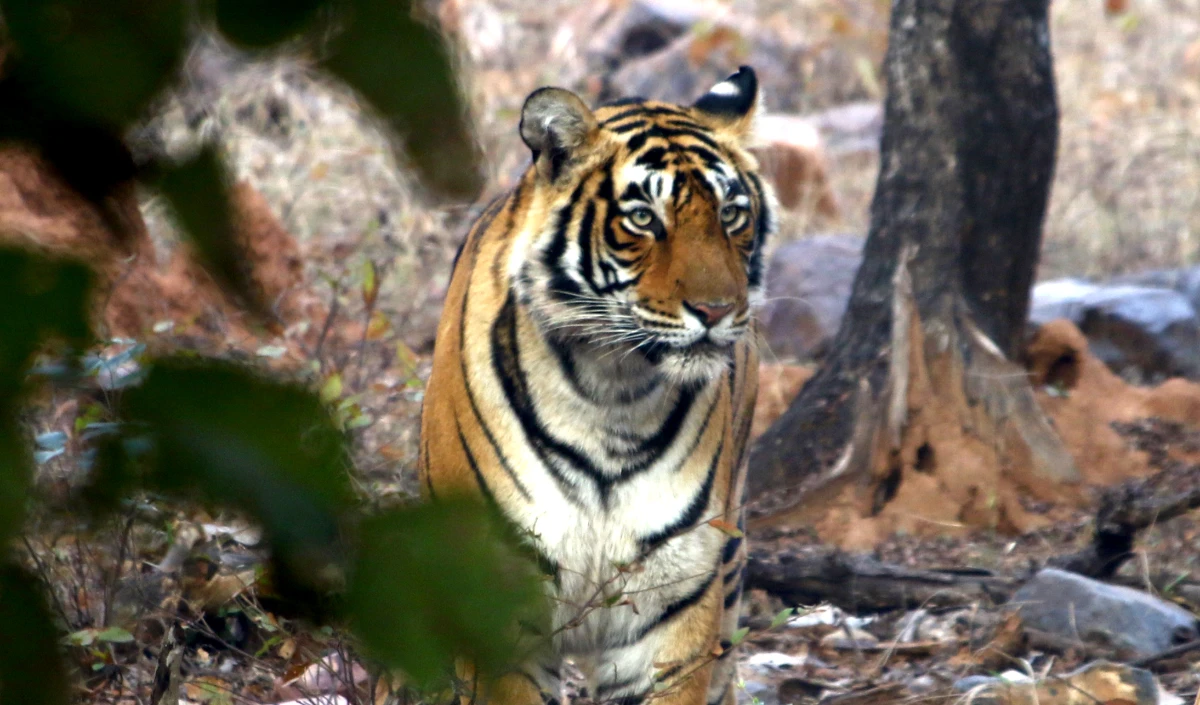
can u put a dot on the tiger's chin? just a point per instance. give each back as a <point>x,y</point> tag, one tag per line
<point>696,364</point>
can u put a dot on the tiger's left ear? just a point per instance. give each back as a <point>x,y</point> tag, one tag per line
<point>557,126</point>
<point>733,103</point>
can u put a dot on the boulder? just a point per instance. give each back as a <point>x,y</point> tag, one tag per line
<point>631,30</point>
<point>808,285</point>
<point>852,127</point>
<point>1077,608</point>
<point>1149,332</point>
<point>792,157</point>
<point>1185,280</point>
<point>693,62</point>
<point>1095,682</point>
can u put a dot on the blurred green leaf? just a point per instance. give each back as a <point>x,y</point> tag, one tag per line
<point>782,617</point>
<point>99,62</point>
<point>199,193</point>
<point>31,669</point>
<point>738,636</point>
<point>440,581</point>
<point>115,635</point>
<point>236,438</point>
<point>259,23</point>
<point>15,472</point>
<point>402,67</point>
<point>39,296</point>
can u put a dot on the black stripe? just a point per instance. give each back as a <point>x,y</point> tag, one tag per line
<point>667,673</point>
<point>610,236</point>
<point>700,434</point>
<point>732,598</point>
<point>670,133</point>
<point>566,365</point>
<point>755,268</point>
<point>634,191</point>
<point>694,509</point>
<point>553,256</point>
<point>637,141</point>
<point>604,690</point>
<point>483,484</point>
<point>653,158</point>
<point>552,451</point>
<point>662,438</point>
<point>425,465</point>
<point>709,157</point>
<point>545,564</point>
<point>585,243</point>
<point>515,200</point>
<point>630,396</point>
<point>507,364</point>
<point>731,548</point>
<point>630,127</point>
<point>487,432</point>
<point>674,609</point>
<point>735,574</point>
<point>642,110</point>
<point>682,125</point>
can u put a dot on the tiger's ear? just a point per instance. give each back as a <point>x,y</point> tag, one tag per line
<point>732,103</point>
<point>556,125</point>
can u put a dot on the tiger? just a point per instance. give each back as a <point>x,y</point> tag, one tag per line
<point>594,376</point>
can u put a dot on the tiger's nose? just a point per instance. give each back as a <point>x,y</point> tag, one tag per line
<point>710,313</point>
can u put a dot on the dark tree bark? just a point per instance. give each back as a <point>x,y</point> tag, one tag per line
<point>940,302</point>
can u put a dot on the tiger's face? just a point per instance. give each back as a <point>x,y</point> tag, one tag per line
<point>653,224</point>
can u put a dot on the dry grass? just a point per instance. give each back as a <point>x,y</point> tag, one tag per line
<point>1126,197</point>
<point>1127,193</point>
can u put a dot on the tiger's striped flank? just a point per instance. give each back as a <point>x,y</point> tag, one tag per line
<point>594,377</point>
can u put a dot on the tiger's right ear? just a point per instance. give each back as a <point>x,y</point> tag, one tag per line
<point>555,124</point>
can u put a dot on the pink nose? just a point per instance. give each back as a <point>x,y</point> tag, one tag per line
<point>710,313</point>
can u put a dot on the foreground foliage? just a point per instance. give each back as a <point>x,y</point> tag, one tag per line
<point>419,585</point>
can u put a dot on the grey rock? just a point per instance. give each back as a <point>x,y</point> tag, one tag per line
<point>923,684</point>
<point>1152,332</point>
<point>852,127</point>
<point>808,285</point>
<point>643,27</point>
<point>963,685</point>
<point>1075,607</point>
<point>693,62</point>
<point>1185,280</point>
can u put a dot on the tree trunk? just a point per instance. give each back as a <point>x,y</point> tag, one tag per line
<point>918,405</point>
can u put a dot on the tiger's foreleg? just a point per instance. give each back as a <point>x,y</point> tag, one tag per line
<point>722,691</point>
<point>537,683</point>
<point>672,663</point>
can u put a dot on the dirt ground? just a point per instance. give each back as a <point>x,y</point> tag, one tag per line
<point>325,208</point>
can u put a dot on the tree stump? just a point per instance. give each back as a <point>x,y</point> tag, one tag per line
<point>919,419</point>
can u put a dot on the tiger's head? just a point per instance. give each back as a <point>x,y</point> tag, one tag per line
<point>650,225</point>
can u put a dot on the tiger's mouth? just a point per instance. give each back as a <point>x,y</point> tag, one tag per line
<point>697,362</point>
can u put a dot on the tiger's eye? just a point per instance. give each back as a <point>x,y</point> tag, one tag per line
<point>641,217</point>
<point>729,214</point>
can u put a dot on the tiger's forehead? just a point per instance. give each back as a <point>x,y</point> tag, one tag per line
<point>664,150</point>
